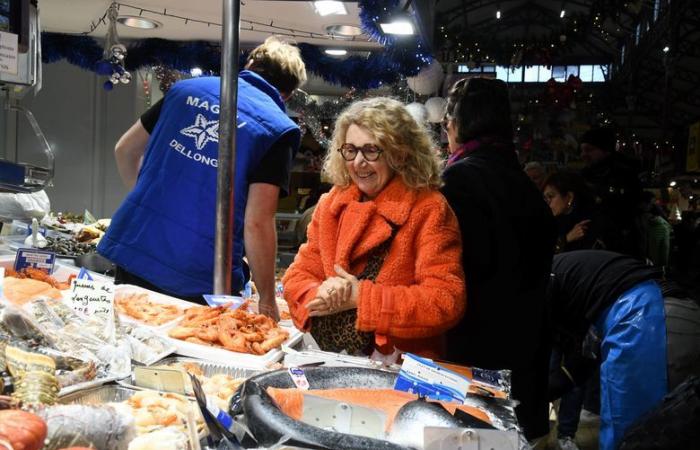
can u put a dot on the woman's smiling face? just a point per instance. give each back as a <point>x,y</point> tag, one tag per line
<point>369,176</point>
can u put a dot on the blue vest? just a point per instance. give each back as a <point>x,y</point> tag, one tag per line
<point>164,231</point>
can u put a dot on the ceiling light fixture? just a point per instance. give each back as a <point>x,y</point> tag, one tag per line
<point>327,8</point>
<point>666,49</point>
<point>562,13</point>
<point>336,51</point>
<point>348,31</point>
<point>143,23</point>
<point>672,183</point>
<point>498,14</point>
<point>401,26</point>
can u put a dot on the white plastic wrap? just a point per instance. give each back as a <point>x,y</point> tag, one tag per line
<point>24,207</point>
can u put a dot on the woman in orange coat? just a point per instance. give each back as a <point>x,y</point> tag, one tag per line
<point>381,271</point>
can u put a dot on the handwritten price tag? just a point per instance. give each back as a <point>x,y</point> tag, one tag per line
<point>90,297</point>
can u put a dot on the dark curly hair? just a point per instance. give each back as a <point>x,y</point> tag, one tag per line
<point>480,107</point>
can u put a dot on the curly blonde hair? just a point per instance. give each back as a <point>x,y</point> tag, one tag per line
<point>407,146</point>
<point>279,63</point>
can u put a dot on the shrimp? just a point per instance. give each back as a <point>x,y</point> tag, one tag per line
<point>208,333</point>
<point>182,332</point>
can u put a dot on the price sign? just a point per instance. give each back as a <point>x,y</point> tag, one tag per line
<point>90,297</point>
<point>38,259</point>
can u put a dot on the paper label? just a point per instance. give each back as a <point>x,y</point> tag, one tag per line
<point>160,378</point>
<point>8,53</point>
<point>299,378</point>
<point>38,259</point>
<point>423,377</point>
<point>90,297</point>
<point>220,300</point>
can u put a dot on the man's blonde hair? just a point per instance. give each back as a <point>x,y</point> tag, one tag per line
<point>406,145</point>
<point>279,63</point>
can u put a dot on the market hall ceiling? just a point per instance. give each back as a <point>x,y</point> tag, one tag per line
<point>259,19</point>
<point>533,31</point>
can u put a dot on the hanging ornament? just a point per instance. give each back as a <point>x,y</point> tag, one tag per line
<point>114,54</point>
<point>436,109</point>
<point>428,81</point>
<point>418,111</point>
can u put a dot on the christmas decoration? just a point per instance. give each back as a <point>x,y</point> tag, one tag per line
<point>114,53</point>
<point>428,80</point>
<point>436,109</point>
<point>418,111</point>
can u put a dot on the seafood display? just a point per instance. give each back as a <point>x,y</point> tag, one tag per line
<point>233,329</point>
<point>69,247</point>
<point>153,411</point>
<point>139,306</point>
<point>27,284</point>
<point>219,386</point>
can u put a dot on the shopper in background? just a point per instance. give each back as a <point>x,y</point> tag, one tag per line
<point>162,236</point>
<point>573,207</point>
<point>381,270</point>
<point>508,235</point>
<point>609,310</point>
<point>535,171</point>
<point>655,231</point>
<point>614,179</point>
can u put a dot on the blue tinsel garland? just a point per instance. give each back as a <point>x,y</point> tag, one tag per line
<point>399,57</point>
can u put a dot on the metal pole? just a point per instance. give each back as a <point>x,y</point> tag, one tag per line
<point>223,244</point>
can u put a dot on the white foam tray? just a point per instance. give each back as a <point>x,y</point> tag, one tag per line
<point>155,297</point>
<point>221,355</point>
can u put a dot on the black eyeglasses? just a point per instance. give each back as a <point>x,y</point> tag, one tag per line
<point>369,151</point>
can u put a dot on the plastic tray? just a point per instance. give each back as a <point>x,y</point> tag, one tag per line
<point>98,382</point>
<point>155,297</point>
<point>221,355</point>
<point>99,395</point>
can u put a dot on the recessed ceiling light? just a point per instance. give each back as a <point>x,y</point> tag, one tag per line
<point>401,27</point>
<point>344,30</point>
<point>327,8</point>
<point>336,51</point>
<point>139,22</point>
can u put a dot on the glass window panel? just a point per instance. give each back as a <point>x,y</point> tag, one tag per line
<point>571,70</point>
<point>515,76</point>
<point>545,73</point>
<point>598,74</point>
<point>586,73</point>
<point>462,68</point>
<point>489,68</point>
<point>559,73</point>
<point>502,73</point>
<point>531,74</point>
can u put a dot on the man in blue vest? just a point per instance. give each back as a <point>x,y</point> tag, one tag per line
<point>162,236</point>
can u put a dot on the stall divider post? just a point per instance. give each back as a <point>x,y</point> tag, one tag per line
<point>223,243</point>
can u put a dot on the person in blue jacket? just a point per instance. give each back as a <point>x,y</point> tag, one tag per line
<point>162,236</point>
<point>613,311</point>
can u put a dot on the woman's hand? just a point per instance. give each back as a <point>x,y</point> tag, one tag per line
<point>336,294</point>
<point>578,231</point>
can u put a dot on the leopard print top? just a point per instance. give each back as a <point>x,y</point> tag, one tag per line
<point>337,332</point>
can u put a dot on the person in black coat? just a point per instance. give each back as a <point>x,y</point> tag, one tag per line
<point>508,235</point>
<point>613,177</point>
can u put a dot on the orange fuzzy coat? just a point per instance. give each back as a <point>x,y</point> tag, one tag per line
<point>419,292</point>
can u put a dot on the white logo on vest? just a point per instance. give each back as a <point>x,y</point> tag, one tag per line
<point>203,131</point>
